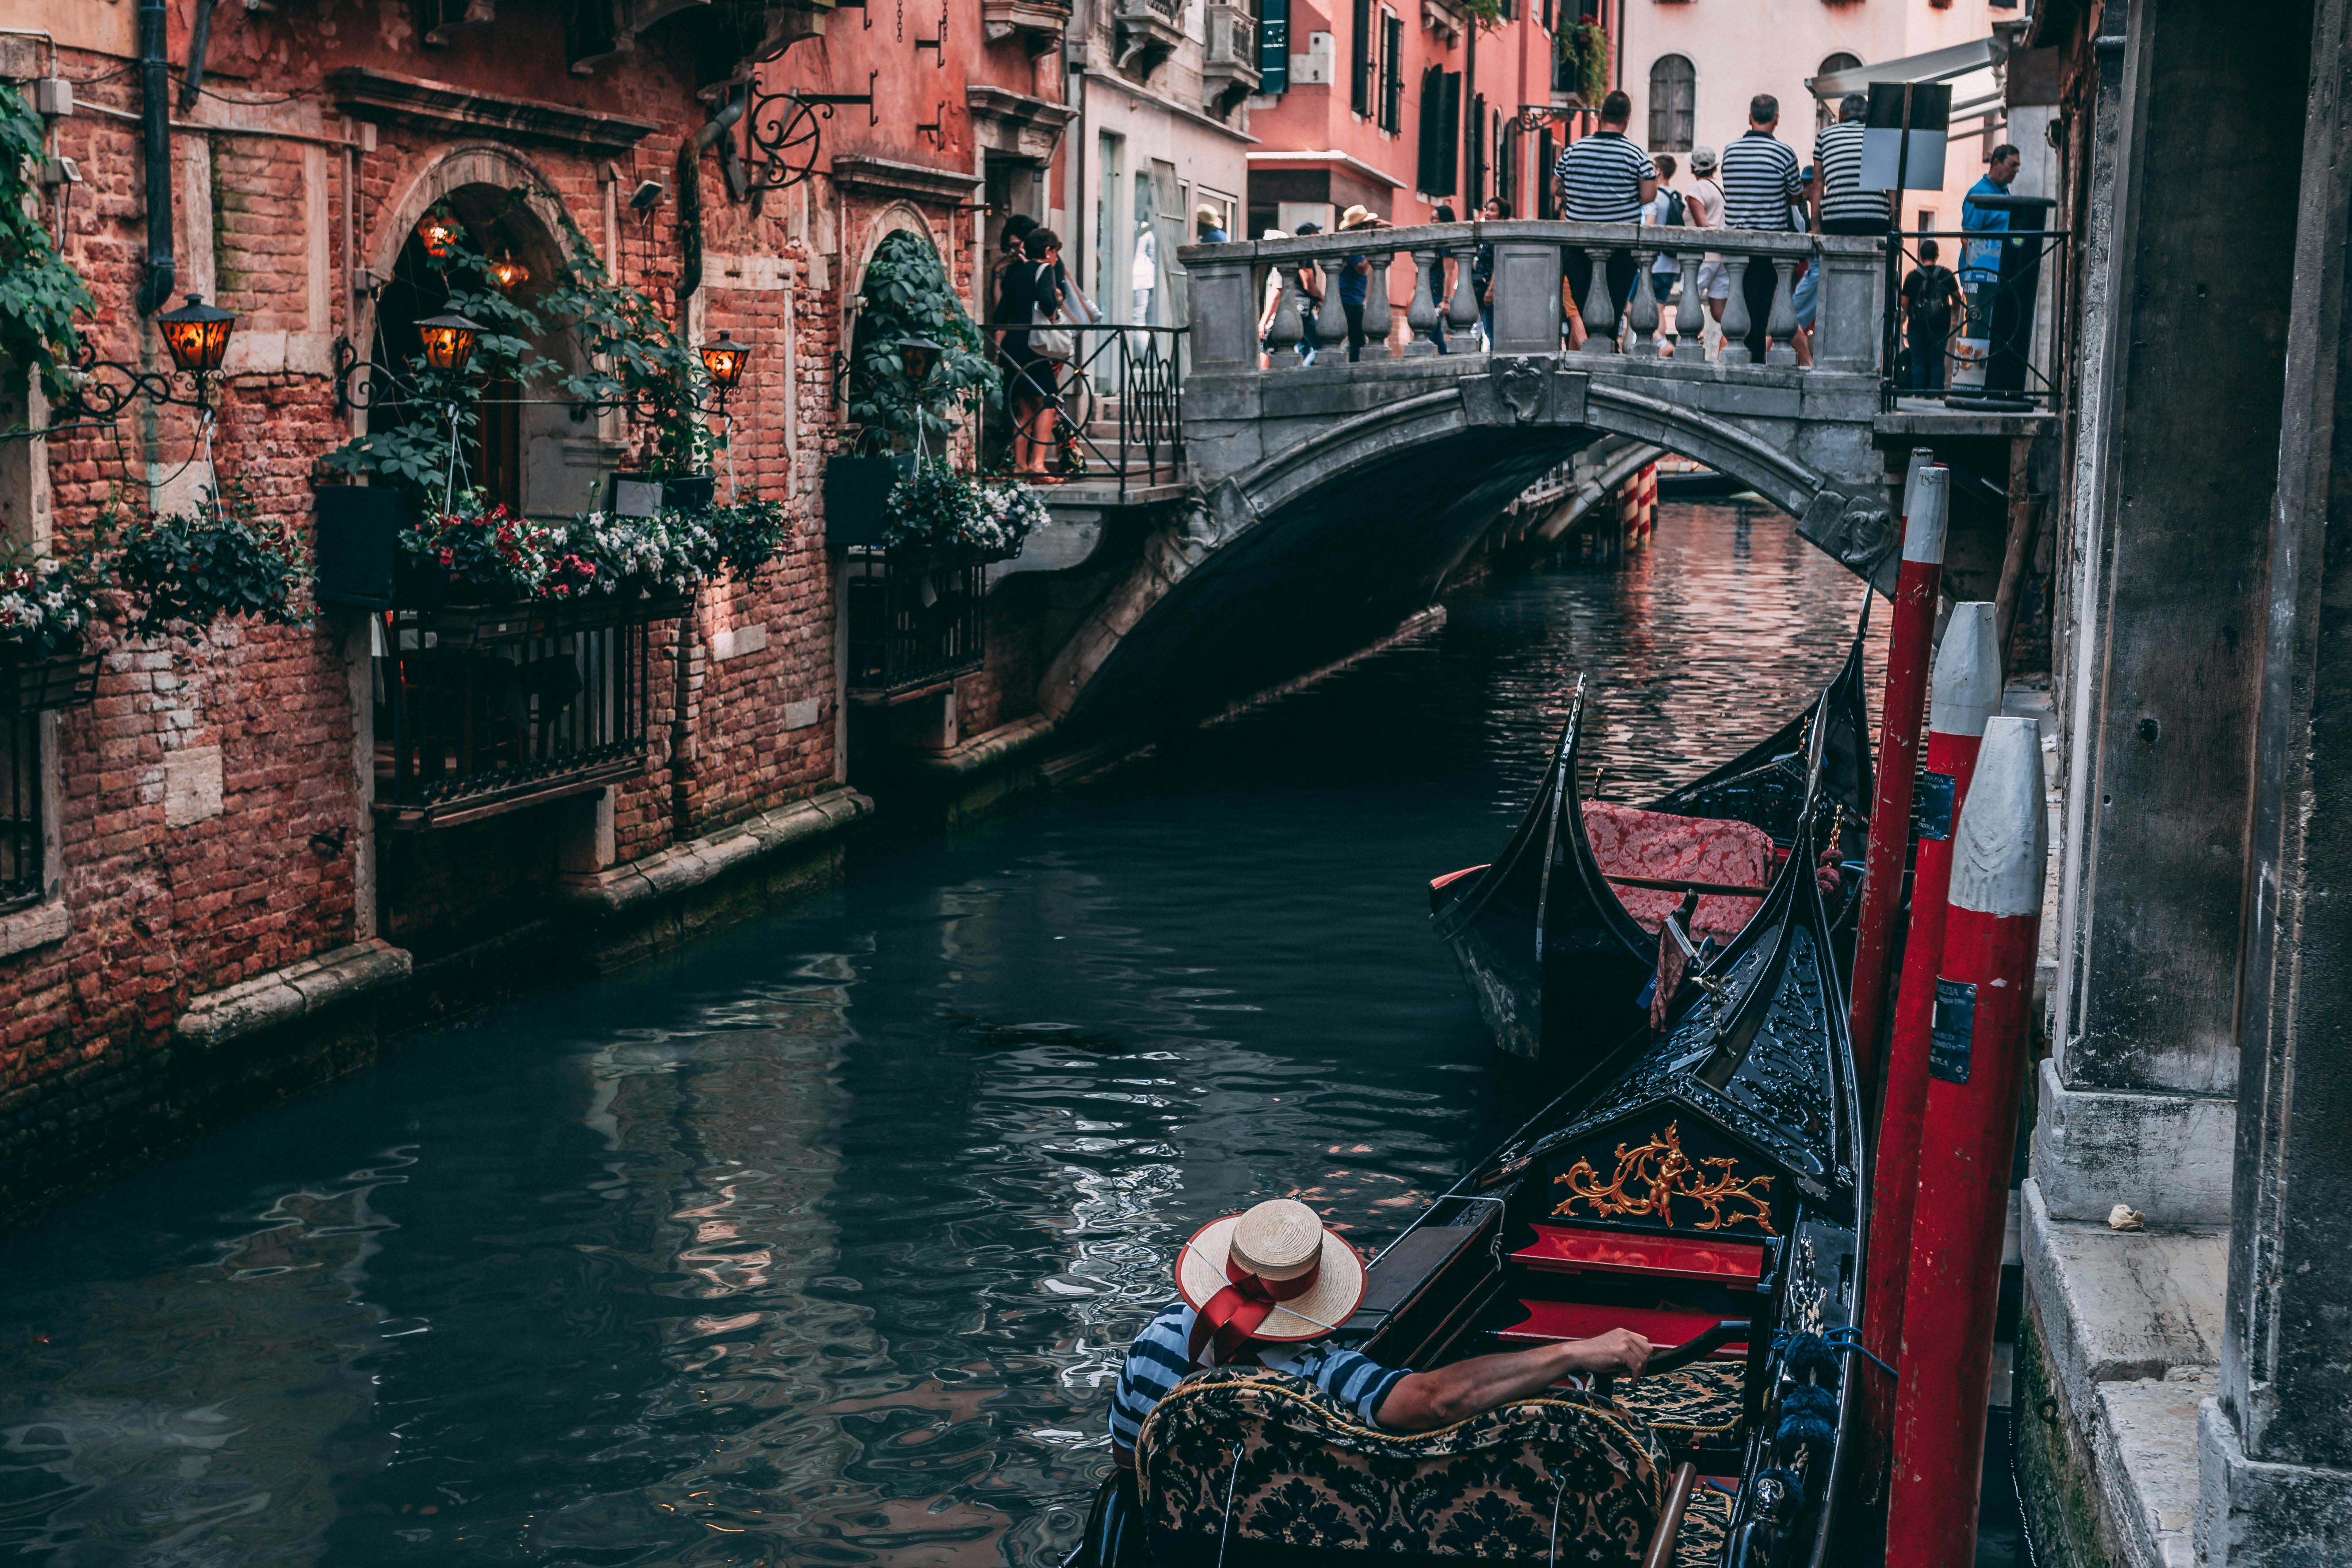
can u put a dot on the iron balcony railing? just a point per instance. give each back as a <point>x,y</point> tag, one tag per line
<point>914,618</point>
<point>2002,350</point>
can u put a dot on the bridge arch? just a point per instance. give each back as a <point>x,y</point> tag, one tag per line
<point>1310,534</point>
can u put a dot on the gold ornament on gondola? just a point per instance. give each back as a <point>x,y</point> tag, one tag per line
<point>1651,1176</point>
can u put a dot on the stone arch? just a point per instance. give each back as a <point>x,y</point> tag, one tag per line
<point>1515,419</point>
<point>886,221</point>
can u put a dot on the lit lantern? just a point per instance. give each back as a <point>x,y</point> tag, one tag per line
<point>723,361</point>
<point>448,341</point>
<point>439,234</point>
<point>198,335</point>
<point>919,355</point>
<point>507,273</point>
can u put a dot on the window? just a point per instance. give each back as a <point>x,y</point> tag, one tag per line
<point>1673,103</point>
<point>1274,47</point>
<point>1825,110</point>
<point>478,710</point>
<point>1360,55</point>
<point>1433,148</point>
<point>1547,184</point>
<point>22,864</point>
<point>1507,167</point>
<point>1391,73</point>
<point>1476,146</point>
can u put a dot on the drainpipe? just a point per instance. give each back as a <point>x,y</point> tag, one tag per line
<point>199,40</point>
<point>155,125</point>
<point>690,193</point>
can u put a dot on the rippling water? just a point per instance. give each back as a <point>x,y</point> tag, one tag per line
<point>819,1243</point>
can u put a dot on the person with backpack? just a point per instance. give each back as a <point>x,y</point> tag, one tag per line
<point>1668,210</point>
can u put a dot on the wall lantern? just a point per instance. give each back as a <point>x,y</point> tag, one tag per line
<point>507,273</point>
<point>448,341</point>
<point>439,232</point>
<point>919,355</point>
<point>722,361</point>
<point>198,335</point>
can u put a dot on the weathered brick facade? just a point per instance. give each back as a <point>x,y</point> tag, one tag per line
<point>211,812</point>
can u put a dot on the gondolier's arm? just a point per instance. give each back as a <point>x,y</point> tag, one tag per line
<point>1422,1400</point>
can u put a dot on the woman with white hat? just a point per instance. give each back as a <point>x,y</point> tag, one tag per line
<point>1270,1286</point>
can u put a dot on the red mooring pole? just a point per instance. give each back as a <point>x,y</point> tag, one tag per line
<point>1976,1066</point>
<point>1910,642</point>
<point>1965,693</point>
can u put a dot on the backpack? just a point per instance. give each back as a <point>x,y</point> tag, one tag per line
<point>1675,210</point>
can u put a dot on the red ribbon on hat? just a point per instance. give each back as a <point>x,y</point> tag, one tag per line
<point>1232,1316</point>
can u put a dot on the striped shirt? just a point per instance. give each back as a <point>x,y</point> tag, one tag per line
<point>1157,1362</point>
<point>1837,156</point>
<point>1758,175</point>
<point>1602,175</point>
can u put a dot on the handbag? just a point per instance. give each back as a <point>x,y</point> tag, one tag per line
<point>1049,342</point>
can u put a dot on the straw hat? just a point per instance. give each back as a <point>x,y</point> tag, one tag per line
<point>1274,234</point>
<point>1702,160</point>
<point>1356,217</point>
<point>1281,1248</point>
<point>1208,216</point>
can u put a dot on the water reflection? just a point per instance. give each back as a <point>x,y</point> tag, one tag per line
<point>820,1244</point>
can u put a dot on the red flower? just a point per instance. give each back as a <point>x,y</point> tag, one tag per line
<point>449,556</point>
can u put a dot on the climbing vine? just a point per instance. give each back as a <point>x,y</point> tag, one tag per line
<point>40,295</point>
<point>1584,50</point>
<point>907,294</point>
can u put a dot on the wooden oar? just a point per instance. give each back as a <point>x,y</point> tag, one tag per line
<point>1670,1523</point>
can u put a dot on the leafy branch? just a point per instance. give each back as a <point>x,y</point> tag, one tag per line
<point>40,294</point>
<point>907,295</point>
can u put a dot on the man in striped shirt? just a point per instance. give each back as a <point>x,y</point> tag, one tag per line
<point>1603,178</point>
<point>1760,185</point>
<point>1840,204</point>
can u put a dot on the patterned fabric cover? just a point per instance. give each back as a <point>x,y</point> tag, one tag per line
<point>1706,1528</point>
<point>1701,1400</point>
<point>1315,1485</point>
<point>1627,842</point>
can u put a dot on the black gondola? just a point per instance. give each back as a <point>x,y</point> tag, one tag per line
<point>1707,1197</point>
<point>1557,961</point>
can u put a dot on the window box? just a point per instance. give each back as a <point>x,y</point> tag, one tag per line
<point>855,491</point>
<point>41,685</point>
<point>915,617</point>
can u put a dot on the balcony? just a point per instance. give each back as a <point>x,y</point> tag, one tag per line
<point>1148,32</point>
<point>1040,22</point>
<point>1229,67</point>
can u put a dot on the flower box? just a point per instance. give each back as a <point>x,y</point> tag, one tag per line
<point>358,558</point>
<point>42,684</point>
<point>855,491</point>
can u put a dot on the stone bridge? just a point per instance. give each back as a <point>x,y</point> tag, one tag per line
<point>1328,502</point>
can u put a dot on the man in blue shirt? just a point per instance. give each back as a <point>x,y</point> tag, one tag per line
<point>1981,259</point>
<point>1355,279</point>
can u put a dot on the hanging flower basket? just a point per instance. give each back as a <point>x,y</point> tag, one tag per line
<point>938,509</point>
<point>46,683</point>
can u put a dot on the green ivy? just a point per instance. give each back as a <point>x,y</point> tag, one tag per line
<point>40,295</point>
<point>1584,49</point>
<point>187,570</point>
<point>632,353</point>
<point>907,295</point>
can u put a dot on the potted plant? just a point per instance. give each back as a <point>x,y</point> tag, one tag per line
<point>46,605</point>
<point>186,570</point>
<point>938,509</point>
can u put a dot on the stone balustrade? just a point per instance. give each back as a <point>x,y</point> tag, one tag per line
<point>1227,285</point>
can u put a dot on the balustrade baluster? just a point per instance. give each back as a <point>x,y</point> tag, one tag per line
<point>1420,316</point>
<point>1599,315</point>
<point>1331,321</point>
<point>1462,313</point>
<point>1642,310</point>
<point>1780,326</point>
<point>1690,315</point>
<point>1736,323</point>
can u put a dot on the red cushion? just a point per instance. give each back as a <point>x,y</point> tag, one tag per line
<point>1627,842</point>
<point>1549,1321</point>
<point>1560,1250</point>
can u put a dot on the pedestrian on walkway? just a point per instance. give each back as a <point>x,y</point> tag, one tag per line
<point>1840,205</point>
<point>1441,278</point>
<point>1355,279</point>
<point>1981,259</point>
<point>1482,276</point>
<point>1603,178</point>
<point>1703,208</point>
<point>1931,297</point>
<point>1760,185</point>
<point>1271,305</point>
<point>1667,209</point>
<point>1310,304</point>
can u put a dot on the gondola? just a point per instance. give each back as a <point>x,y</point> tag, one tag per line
<point>1558,937</point>
<point>1708,1198</point>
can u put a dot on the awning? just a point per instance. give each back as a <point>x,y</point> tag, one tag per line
<point>1935,64</point>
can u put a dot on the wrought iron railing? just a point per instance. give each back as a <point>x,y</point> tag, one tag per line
<point>479,711</point>
<point>914,618</point>
<point>1993,357</point>
<point>1119,406</point>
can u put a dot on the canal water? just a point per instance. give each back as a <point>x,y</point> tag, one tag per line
<point>819,1243</point>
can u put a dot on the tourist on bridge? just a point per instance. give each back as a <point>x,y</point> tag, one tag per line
<point>1931,299</point>
<point>1840,205</point>
<point>1604,178</point>
<point>1310,304</point>
<point>1482,275</point>
<point>1760,185</point>
<point>1441,278</point>
<point>1703,208</point>
<point>1668,209</point>
<point>1033,292</point>
<point>1981,259</point>
<point>1267,1288</point>
<point>1355,277</point>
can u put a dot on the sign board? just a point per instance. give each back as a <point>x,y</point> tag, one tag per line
<point>1905,125</point>
<point>1953,1033</point>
